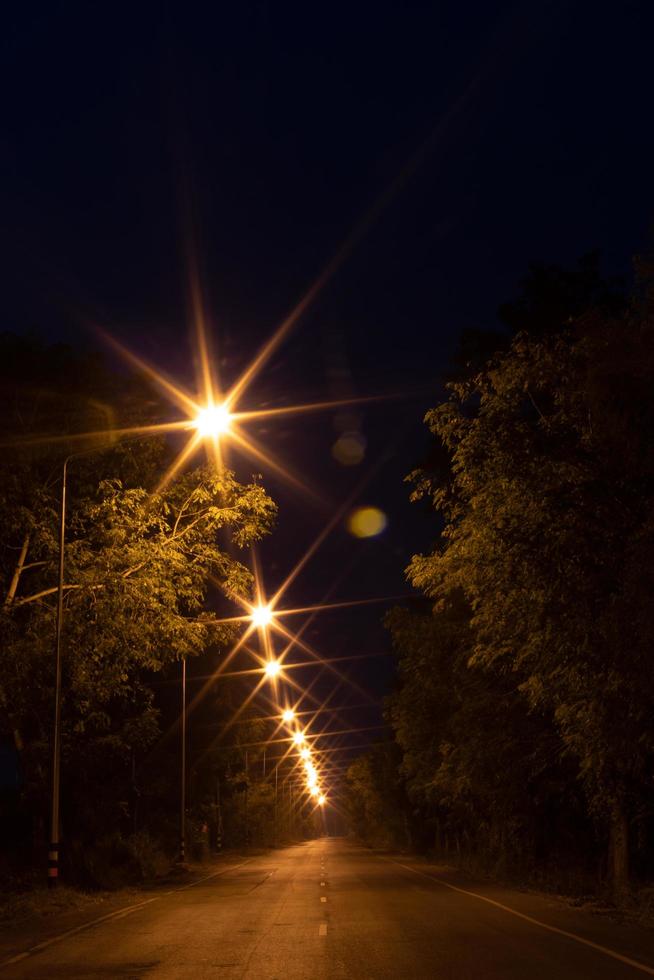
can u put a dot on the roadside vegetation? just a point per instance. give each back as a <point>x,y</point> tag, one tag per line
<point>523,716</point>
<point>148,571</point>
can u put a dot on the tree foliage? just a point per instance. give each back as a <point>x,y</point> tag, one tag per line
<point>528,686</point>
<point>143,570</point>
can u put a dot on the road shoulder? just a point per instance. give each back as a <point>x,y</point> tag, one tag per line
<point>551,913</point>
<point>46,922</point>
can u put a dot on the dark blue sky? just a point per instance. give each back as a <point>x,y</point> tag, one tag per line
<point>506,133</point>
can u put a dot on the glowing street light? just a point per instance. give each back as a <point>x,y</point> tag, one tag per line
<point>314,791</point>
<point>272,668</point>
<point>214,420</point>
<point>261,616</point>
<point>288,715</point>
<point>298,738</point>
<point>305,753</point>
<point>322,800</point>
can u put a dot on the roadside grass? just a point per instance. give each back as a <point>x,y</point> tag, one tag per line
<point>23,902</point>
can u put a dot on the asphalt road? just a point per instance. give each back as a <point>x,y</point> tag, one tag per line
<point>331,909</point>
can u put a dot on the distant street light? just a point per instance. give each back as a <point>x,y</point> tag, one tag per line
<point>272,668</point>
<point>305,753</point>
<point>288,715</point>
<point>298,738</point>
<point>322,800</point>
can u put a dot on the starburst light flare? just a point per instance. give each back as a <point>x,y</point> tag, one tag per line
<point>215,420</point>
<point>213,414</point>
<point>261,616</point>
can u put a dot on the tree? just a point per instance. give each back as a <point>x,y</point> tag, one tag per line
<point>375,798</point>
<point>140,567</point>
<point>138,572</point>
<point>548,536</point>
<point>483,771</point>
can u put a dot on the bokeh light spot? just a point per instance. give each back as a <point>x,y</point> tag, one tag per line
<point>366,522</point>
<point>349,449</point>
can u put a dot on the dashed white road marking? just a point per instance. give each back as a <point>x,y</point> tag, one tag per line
<point>322,898</point>
<point>119,913</point>
<point>322,929</point>
<point>322,884</point>
<point>535,922</point>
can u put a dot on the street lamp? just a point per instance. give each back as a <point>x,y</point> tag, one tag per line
<point>288,715</point>
<point>272,668</point>
<point>298,738</point>
<point>212,421</point>
<point>261,616</point>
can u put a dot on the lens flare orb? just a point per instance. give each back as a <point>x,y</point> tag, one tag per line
<point>366,522</point>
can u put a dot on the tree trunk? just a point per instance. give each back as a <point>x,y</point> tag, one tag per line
<point>619,850</point>
<point>438,843</point>
<point>407,830</point>
<point>9,598</point>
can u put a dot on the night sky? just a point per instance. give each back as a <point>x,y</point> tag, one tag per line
<point>476,137</point>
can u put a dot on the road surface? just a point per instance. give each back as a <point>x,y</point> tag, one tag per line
<point>331,909</point>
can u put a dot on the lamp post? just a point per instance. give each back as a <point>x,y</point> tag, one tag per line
<point>182,814</point>
<point>54,846</point>
<point>211,421</point>
<point>53,850</point>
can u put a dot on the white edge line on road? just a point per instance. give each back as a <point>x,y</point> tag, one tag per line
<point>322,898</point>
<point>113,915</point>
<point>322,929</point>
<point>535,922</point>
